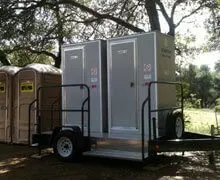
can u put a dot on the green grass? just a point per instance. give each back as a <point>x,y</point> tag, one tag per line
<point>200,120</point>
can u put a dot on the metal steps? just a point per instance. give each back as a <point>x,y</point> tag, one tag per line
<point>109,153</point>
<point>47,132</point>
<point>44,138</point>
<point>34,145</point>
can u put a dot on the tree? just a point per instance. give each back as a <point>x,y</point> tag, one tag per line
<point>38,26</point>
<point>23,57</point>
<point>213,27</point>
<point>216,77</point>
<point>217,66</point>
<point>204,84</point>
<point>201,86</point>
<point>36,30</point>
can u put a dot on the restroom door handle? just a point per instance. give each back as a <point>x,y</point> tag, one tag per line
<point>132,84</point>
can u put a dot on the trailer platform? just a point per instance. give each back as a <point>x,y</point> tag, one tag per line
<point>190,142</point>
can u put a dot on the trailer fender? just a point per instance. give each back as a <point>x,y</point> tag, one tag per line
<point>56,130</point>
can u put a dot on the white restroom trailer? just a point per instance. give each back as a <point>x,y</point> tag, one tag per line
<point>119,101</point>
<point>132,62</point>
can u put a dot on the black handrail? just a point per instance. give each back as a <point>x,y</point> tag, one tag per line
<point>52,110</point>
<point>149,102</point>
<point>38,116</point>
<point>142,127</point>
<point>148,99</point>
<point>29,121</point>
<point>82,111</point>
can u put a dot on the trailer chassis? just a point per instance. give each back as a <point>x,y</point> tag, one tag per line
<point>189,141</point>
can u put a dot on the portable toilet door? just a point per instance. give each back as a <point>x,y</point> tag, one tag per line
<point>25,93</point>
<point>6,89</point>
<point>28,80</point>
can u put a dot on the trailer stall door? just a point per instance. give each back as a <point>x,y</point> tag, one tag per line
<point>73,73</point>
<point>3,106</point>
<point>123,85</point>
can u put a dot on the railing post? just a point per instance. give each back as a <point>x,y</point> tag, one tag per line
<point>29,121</point>
<point>38,121</point>
<point>29,125</point>
<point>39,133</point>
<point>154,127</point>
<point>182,105</point>
<point>149,108</point>
<point>143,128</point>
<point>51,113</point>
<point>88,113</point>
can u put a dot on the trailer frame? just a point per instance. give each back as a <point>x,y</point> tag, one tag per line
<point>189,142</point>
<point>46,139</point>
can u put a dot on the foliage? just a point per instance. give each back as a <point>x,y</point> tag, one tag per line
<point>217,101</point>
<point>213,27</point>
<point>199,85</point>
<point>185,49</point>
<point>217,105</point>
<point>41,27</point>
<point>22,58</point>
<point>217,66</point>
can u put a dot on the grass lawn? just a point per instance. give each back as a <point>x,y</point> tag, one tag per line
<point>200,120</point>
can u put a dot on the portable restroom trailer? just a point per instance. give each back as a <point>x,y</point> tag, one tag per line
<point>133,62</point>
<point>85,63</point>
<point>6,98</point>
<point>141,100</point>
<point>27,81</point>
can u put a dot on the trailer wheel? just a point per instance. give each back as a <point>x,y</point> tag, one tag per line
<point>179,126</point>
<point>65,146</point>
<point>175,126</point>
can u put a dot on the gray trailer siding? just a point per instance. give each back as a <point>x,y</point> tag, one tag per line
<point>83,63</point>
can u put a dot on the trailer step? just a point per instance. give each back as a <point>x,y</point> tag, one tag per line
<point>180,145</point>
<point>109,153</point>
<point>34,145</point>
<point>44,138</point>
<point>47,132</point>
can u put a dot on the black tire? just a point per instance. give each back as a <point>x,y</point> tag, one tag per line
<point>65,146</point>
<point>175,126</point>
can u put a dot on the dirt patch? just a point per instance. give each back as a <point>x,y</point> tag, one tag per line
<point>16,163</point>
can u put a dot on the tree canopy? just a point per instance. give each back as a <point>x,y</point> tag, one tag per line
<point>40,27</point>
<point>202,86</point>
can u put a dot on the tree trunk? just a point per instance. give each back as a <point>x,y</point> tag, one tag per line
<point>4,59</point>
<point>58,59</point>
<point>60,35</point>
<point>202,103</point>
<point>171,29</point>
<point>150,6</point>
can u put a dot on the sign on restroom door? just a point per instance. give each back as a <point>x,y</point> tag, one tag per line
<point>27,86</point>
<point>2,87</point>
